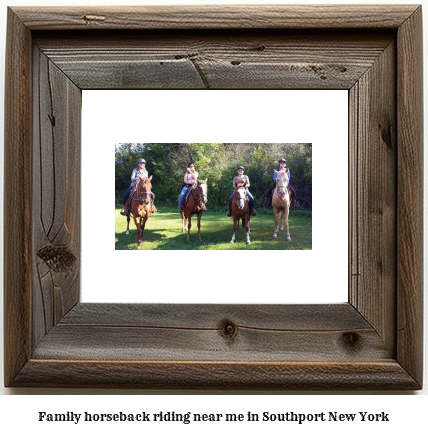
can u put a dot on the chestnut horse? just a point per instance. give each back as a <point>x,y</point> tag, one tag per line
<point>281,202</point>
<point>197,197</point>
<point>240,211</point>
<point>141,206</point>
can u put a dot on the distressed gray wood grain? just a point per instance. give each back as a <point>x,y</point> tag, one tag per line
<point>207,60</point>
<point>55,194</point>
<point>410,213</point>
<point>17,199</point>
<point>217,375</point>
<point>373,178</point>
<point>321,317</point>
<point>216,17</point>
<point>200,332</point>
<point>120,343</point>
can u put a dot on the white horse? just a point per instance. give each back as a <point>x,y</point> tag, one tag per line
<point>281,202</point>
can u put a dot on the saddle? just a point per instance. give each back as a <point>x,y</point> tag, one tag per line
<point>189,190</point>
<point>199,206</point>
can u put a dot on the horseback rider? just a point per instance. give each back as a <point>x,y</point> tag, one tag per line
<point>190,179</point>
<point>136,173</point>
<point>242,179</point>
<point>268,201</point>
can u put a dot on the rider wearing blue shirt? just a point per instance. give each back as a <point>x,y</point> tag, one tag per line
<point>275,174</point>
<point>268,200</point>
<point>190,179</point>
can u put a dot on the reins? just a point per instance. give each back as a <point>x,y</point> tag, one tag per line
<point>199,196</point>
<point>138,190</point>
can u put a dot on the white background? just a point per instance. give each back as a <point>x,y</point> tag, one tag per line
<point>317,117</point>
<point>20,412</point>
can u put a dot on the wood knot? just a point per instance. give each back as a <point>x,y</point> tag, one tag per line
<point>386,134</point>
<point>228,329</point>
<point>58,259</point>
<point>351,341</point>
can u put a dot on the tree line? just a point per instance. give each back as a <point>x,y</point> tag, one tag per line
<point>218,162</point>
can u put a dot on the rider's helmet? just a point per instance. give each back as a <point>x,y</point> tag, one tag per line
<point>281,160</point>
<point>241,167</point>
<point>141,160</point>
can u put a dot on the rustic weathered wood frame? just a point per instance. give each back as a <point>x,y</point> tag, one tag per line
<point>372,342</point>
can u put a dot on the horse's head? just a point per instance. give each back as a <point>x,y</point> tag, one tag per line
<point>281,182</point>
<point>240,195</point>
<point>144,189</point>
<point>202,190</point>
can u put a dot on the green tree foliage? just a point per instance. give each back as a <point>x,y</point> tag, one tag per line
<point>299,160</point>
<point>218,162</point>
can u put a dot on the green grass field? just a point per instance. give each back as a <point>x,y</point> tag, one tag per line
<point>163,232</point>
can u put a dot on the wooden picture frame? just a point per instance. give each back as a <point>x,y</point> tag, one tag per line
<point>372,342</point>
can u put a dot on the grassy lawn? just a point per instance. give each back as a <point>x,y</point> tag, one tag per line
<point>163,232</point>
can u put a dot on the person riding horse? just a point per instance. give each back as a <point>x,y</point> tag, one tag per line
<point>190,179</point>
<point>268,200</point>
<point>136,173</point>
<point>242,179</point>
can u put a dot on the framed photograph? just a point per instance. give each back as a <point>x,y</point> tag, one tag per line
<point>211,183</point>
<point>371,341</point>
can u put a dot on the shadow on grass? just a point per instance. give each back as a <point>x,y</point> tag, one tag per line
<point>164,232</point>
<point>128,242</point>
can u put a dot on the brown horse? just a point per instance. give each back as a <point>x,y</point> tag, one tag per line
<point>141,206</point>
<point>198,196</point>
<point>240,211</point>
<point>281,202</point>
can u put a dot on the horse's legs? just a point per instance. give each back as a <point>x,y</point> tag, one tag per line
<point>246,224</point>
<point>137,221</point>
<point>275,212</point>
<point>282,220</point>
<point>235,222</point>
<point>143,225</point>
<point>286,213</point>
<point>183,221</point>
<point>189,225</point>
<point>127,228</point>
<point>199,225</point>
